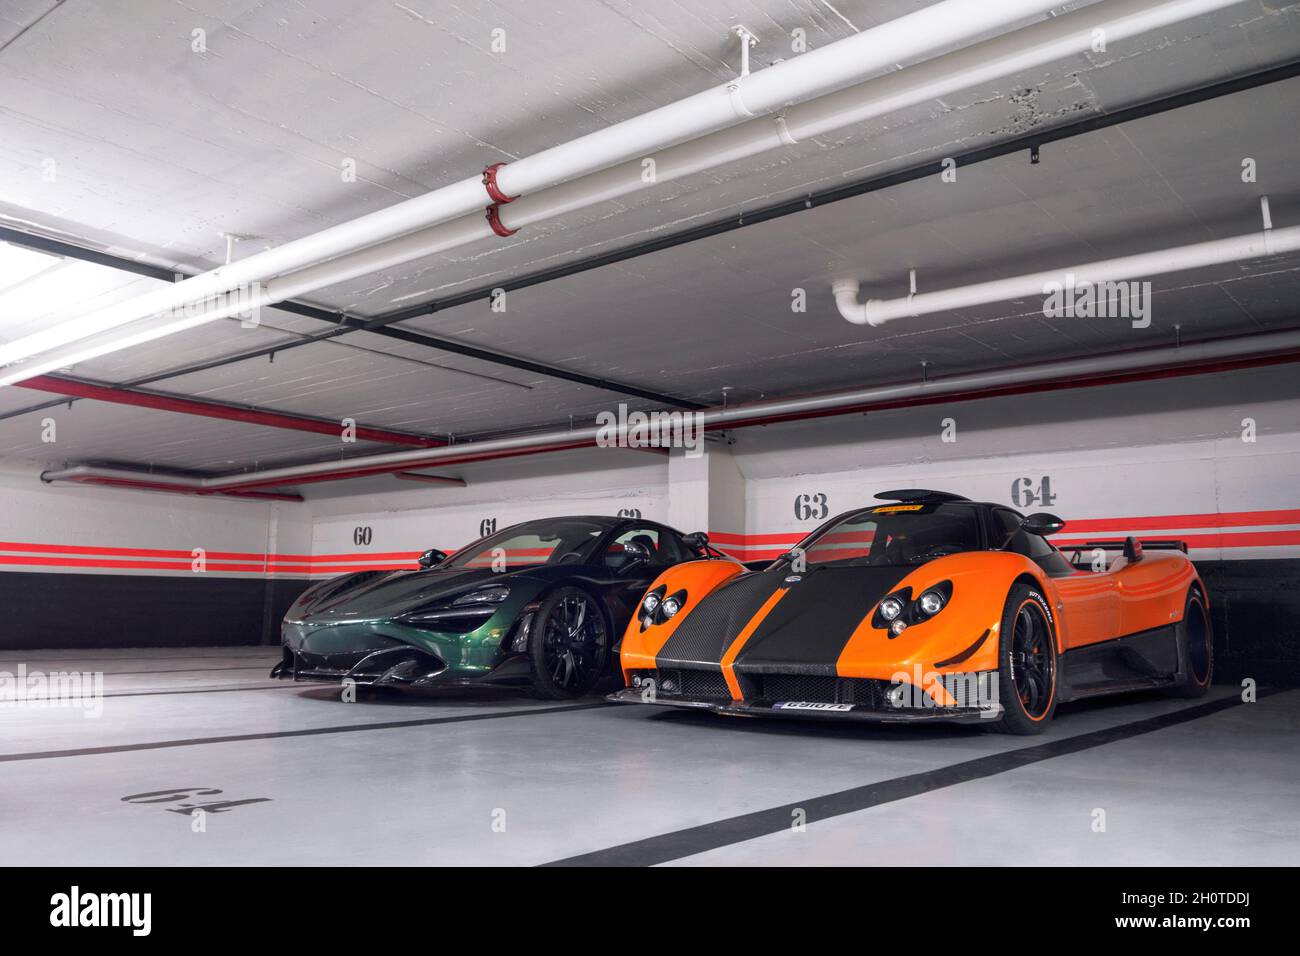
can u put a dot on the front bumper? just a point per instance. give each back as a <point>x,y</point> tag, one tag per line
<point>390,654</point>
<point>802,696</point>
<point>630,695</point>
<point>390,666</point>
<point>394,667</point>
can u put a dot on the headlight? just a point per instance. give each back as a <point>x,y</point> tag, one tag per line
<point>651,603</point>
<point>490,595</point>
<point>931,602</point>
<point>671,605</point>
<point>890,608</point>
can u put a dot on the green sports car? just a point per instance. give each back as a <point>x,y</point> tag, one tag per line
<point>539,604</point>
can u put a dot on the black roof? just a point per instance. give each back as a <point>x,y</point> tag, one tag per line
<point>919,494</point>
<point>609,520</point>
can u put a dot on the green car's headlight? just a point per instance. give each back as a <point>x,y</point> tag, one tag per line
<point>461,615</point>
<point>490,595</point>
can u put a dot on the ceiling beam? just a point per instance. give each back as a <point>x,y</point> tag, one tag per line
<point>206,408</point>
<point>343,324</point>
<point>429,479</point>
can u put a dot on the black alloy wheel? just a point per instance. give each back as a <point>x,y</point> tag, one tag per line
<point>570,644</point>
<point>1027,661</point>
<point>1033,665</point>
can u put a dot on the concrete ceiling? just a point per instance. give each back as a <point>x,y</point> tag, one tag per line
<point>158,149</point>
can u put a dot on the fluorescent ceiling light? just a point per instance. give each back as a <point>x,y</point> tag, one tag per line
<point>17,265</point>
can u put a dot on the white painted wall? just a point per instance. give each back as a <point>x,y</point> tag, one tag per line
<point>1167,448</point>
<point>415,517</point>
<point>86,530</point>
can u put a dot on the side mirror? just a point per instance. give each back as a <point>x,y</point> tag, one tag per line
<point>1043,524</point>
<point>697,540</point>
<point>636,552</point>
<point>432,557</point>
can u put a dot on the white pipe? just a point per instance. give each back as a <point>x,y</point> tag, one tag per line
<point>915,35</point>
<point>1044,42</point>
<point>1268,242</point>
<point>738,416</point>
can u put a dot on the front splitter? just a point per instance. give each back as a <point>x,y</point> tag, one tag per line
<point>735,708</point>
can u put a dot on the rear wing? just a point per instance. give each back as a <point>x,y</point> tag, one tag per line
<point>1133,547</point>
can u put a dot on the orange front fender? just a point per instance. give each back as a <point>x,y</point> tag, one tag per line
<point>696,578</point>
<point>961,638</point>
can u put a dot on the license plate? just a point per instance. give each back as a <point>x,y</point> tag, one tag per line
<point>809,705</point>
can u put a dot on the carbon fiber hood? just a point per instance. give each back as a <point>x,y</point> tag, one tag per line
<point>806,630</point>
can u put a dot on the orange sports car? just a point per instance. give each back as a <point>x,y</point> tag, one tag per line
<point>929,607</point>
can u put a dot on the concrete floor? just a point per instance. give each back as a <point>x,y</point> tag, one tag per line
<point>486,777</point>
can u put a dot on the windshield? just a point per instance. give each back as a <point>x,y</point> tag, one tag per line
<point>533,543</point>
<point>903,534</point>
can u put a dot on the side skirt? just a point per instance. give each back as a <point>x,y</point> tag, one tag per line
<point>1147,659</point>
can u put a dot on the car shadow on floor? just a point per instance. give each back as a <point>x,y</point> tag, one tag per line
<point>424,699</point>
<point>451,695</point>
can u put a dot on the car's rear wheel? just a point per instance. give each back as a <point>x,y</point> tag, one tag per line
<point>569,644</point>
<point>1026,663</point>
<point>1195,637</point>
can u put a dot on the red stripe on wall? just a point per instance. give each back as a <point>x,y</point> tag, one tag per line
<point>753,546</point>
<point>1241,539</point>
<point>13,546</point>
<point>1228,519</point>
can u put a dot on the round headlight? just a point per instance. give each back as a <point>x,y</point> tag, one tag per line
<point>890,608</point>
<point>650,603</point>
<point>671,606</point>
<point>931,602</point>
<point>898,627</point>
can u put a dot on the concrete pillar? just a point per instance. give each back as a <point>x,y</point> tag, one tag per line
<point>706,492</point>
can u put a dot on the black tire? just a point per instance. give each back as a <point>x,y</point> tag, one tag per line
<point>569,644</point>
<point>1027,663</point>
<point>1195,636</point>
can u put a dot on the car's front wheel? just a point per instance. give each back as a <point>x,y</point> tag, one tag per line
<point>569,644</point>
<point>1026,663</point>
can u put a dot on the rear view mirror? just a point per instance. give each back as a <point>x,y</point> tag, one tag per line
<point>1043,524</point>
<point>431,557</point>
<point>697,540</point>
<point>636,551</point>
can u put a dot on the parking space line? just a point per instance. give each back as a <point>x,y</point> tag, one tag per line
<point>306,732</point>
<point>192,670</point>
<point>261,650</point>
<point>679,844</point>
<point>284,685</point>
